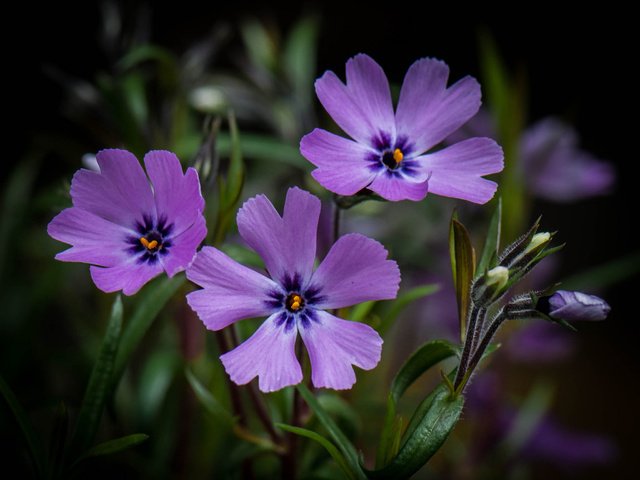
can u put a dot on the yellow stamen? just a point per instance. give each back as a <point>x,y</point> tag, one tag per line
<point>296,301</point>
<point>149,245</point>
<point>398,155</point>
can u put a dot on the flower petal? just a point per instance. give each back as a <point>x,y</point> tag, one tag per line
<point>334,345</point>
<point>456,171</point>
<point>128,277</point>
<point>362,107</point>
<point>120,192</point>
<point>286,244</point>
<point>398,187</point>
<point>369,88</point>
<point>355,270</point>
<point>183,247</point>
<point>428,111</point>
<point>94,239</point>
<point>231,291</point>
<point>342,163</point>
<point>177,195</point>
<point>269,354</point>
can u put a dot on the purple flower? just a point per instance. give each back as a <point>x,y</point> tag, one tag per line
<point>573,306</point>
<point>294,296</point>
<point>131,230</point>
<point>388,154</point>
<point>552,164</point>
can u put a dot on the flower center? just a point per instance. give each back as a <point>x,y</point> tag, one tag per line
<point>392,159</point>
<point>294,302</point>
<point>152,242</point>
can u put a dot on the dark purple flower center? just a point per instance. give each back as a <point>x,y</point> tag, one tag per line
<point>294,302</point>
<point>153,240</point>
<point>392,159</point>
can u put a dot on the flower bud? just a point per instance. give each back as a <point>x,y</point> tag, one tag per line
<point>538,241</point>
<point>497,277</point>
<point>490,286</point>
<point>573,306</point>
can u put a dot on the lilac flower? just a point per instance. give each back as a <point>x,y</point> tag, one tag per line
<point>388,154</point>
<point>294,296</point>
<point>552,164</point>
<point>128,229</point>
<point>556,169</point>
<point>573,306</point>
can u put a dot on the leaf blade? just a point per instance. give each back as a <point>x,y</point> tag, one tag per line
<point>100,381</point>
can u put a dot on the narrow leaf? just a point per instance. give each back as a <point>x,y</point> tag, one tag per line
<point>36,450</point>
<point>208,401</point>
<point>343,443</point>
<point>99,384</point>
<point>360,311</point>
<point>264,148</point>
<point>463,263</point>
<point>152,301</point>
<point>426,439</point>
<point>300,57</point>
<point>329,447</point>
<point>418,363</point>
<point>492,242</point>
<point>117,445</point>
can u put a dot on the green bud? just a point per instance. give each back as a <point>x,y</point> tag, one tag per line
<point>497,278</point>
<point>538,240</point>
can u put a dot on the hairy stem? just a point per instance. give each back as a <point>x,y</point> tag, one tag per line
<point>471,338</point>
<point>484,343</point>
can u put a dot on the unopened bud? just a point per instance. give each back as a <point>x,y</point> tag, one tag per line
<point>574,306</point>
<point>490,286</point>
<point>497,277</point>
<point>538,240</point>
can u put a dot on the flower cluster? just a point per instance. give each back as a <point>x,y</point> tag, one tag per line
<point>131,226</point>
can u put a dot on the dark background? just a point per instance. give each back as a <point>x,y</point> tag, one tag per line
<point>579,67</point>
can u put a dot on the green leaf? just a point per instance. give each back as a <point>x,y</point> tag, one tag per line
<point>34,444</point>
<point>235,173</point>
<point>243,255</point>
<point>418,363</point>
<point>506,103</point>
<point>151,302</point>
<point>329,447</point>
<point>440,414</point>
<point>117,445</point>
<point>156,378</point>
<point>530,412</point>
<point>340,439</point>
<point>492,242</point>
<point>463,262</point>
<point>403,301</point>
<point>99,384</point>
<point>360,311</point>
<point>134,92</point>
<point>260,45</point>
<point>210,403</point>
<point>265,148</point>
<point>231,187</point>
<point>300,58</point>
